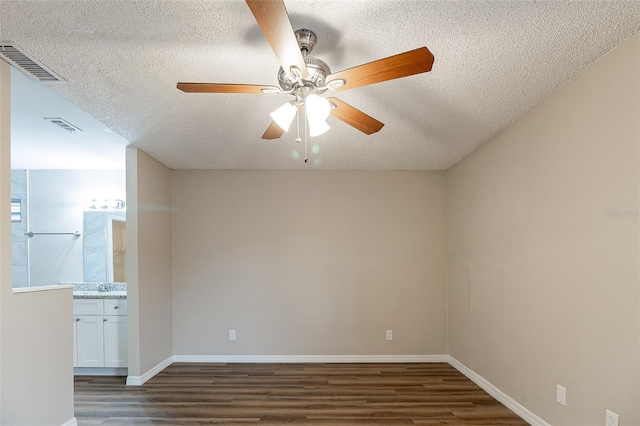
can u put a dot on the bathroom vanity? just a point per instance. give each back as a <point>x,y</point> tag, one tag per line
<point>100,329</point>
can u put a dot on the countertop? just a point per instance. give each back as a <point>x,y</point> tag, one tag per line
<point>98,290</point>
<point>99,294</point>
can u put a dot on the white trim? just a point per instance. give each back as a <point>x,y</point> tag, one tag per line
<point>35,289</point>
<point>141,380</point>
<point>309,358</point>
<point>72,422</point>
<point>99,371</point>
<point>503,398</point>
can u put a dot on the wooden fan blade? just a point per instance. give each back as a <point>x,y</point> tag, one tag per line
<point>273,19</point>
<point>403,65</point>
<point>354,117</point>
<point>223,88</point>
<point>273,131</point>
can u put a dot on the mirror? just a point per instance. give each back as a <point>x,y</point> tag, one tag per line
<point>104,246</point>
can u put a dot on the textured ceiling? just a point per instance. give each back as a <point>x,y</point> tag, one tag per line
<point>493,62</point>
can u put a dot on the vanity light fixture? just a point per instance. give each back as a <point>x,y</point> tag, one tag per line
<point>107,204</point>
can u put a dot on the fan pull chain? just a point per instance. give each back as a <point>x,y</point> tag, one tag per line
<point>298,139</point>
<point>300,113</point>
<point>306,132</point>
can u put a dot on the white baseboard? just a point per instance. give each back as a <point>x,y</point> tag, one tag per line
<point>309,358</point>
<point>99,371</point>
<point>141,380</point>
<point>72,422</point>
<point>503,398</point>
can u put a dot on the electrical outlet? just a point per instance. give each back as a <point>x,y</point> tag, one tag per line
<point>612,419</point>
<point>389,334</point>
<point>232,335</point>
<point>561,395</point>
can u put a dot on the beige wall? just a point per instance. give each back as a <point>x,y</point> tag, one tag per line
<point>37,358</point>
<point>36,355</point>
<point>149,262</point>
<point>543,250</point>
<point>308,262</point>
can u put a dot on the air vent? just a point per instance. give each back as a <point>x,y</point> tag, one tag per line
<point>64,124</point>
<point>24,62</point>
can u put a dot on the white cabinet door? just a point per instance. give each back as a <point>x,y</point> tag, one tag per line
<point>90,340</point>
<point>115,341</point>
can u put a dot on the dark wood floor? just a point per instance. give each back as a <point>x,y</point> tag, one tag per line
<point>276,394</point>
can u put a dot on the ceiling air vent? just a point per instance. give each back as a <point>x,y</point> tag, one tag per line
<point>64,124</point>
<point>24,62</point>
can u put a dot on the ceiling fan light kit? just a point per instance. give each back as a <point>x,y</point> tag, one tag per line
<point>317,111</point>
<point>306,77</point>
<point>284,115</point>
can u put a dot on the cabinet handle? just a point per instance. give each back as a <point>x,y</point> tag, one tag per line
<point>77,319</point>
<point>116,307</point>
<point>104,319</point>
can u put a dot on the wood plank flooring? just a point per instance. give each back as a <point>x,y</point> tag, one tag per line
<point>276,394</point>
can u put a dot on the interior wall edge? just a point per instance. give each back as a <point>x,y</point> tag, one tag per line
<point>499,395</point>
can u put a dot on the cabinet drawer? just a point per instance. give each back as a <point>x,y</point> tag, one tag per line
<point>88,307</point>
<point>115,307</point>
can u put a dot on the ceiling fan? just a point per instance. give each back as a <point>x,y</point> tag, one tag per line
<point>306,77</point>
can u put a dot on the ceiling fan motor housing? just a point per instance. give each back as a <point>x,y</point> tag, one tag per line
<point>317,73</point>
<point>306,40</point>
<point>317,70</point>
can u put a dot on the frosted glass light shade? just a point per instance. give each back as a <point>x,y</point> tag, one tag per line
<point>317,127</point>
<point>317,108</point>
<point>283,116</point>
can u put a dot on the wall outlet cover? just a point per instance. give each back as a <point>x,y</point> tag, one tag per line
<point>561,395</point>
<point>612,419</point>
<point>232,335</point>
<point>389,334</point>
